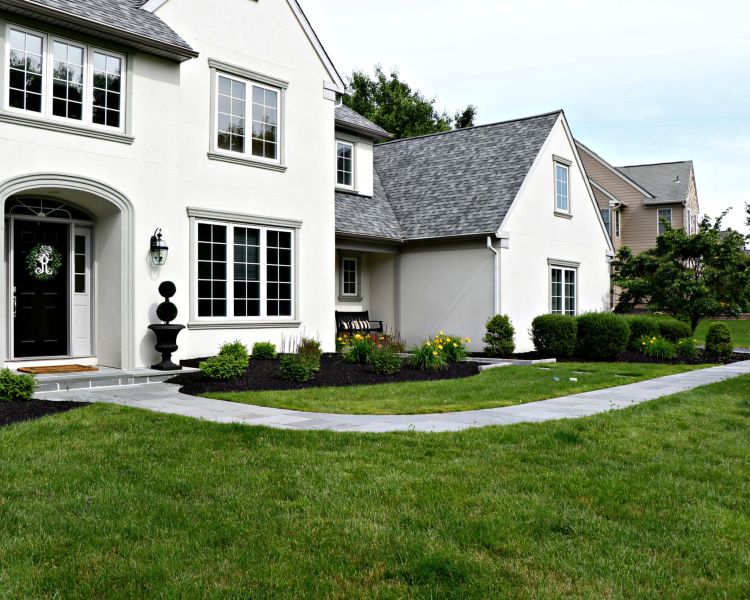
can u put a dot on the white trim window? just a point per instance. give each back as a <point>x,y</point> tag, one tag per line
<point>563,290</point>
<point>244,271</point>
<point>344,164</point>
<point>247,118</point>
<point>562,188</point>
<point>662,215</point>
<point>607,218</point>
<point>349,277</point>
<point>63,80</point>
<point>617,222</point>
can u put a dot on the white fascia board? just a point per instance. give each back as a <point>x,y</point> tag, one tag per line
<point>153,5</point>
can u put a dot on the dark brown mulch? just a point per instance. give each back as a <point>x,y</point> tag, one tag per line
<point>334,372</point>
<point>15,412</point>
<point>634,357</point>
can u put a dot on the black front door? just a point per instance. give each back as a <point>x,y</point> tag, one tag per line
<point>41,301</point>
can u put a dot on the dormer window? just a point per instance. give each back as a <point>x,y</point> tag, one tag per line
<point>344,164</point>
<point>63,80</point>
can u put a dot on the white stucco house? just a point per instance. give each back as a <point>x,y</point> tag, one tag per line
<point>224,130</point>
<point>459,226</point>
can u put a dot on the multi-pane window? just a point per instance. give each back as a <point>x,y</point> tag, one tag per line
<point>344,163</point>
<point>107,90</point>
<point>563,290</point>
<point>79,264</point>
<point>64,80</point>
<point>244,271</point>
<point>607,218</point>
<point>25,76</point>
<point>349,277</point>
<point>235,110</point>
<point>663,220</point>
<point>562,199</point>
<point>67,80</point>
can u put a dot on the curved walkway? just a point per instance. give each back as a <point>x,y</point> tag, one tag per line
<point>165,398</point>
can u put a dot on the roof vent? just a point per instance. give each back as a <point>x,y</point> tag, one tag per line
<point>677,179</point>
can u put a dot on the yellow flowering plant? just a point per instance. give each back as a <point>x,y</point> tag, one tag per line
<point>440,350</point>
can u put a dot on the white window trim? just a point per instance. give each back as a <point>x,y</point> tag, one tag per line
<point>562,266</point>
<point>618,223</point>
<point>198,216</point>
<point>353,146</point>
<point>557,162</point>
<point>356,294</point>
<point>609,226</point>
<point>658,219</point>
<point>47,81</point>
<point>246,157</point>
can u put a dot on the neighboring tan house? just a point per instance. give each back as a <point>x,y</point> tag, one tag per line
<point>456,227</point>
<point>636,200</point>
<point>211,120</point>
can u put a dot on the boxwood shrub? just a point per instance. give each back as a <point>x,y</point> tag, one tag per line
<point>602,336</point>
<point>640,327</point>
<point>719,341</point>
<point>385,361</point>
<point>298,368</point>
<point>264,351</point>
<point>16,387</point>
<point>223,367</point>
<point>555,334</point>
<point>674,330</point>
<point>499,337</point>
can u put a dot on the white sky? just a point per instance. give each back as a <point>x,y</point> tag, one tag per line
<point>640,81</point>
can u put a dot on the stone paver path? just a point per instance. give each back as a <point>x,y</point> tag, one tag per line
<point>165,398</point>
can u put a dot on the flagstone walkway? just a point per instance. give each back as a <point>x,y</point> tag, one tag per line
<point>165,398</point>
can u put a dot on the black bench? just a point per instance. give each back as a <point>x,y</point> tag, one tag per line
<point>357,322</point>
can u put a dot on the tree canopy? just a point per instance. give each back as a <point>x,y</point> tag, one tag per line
<point>393,105</point>
<point>690,277</point>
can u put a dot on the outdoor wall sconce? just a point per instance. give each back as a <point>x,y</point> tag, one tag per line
<point>159,249</point>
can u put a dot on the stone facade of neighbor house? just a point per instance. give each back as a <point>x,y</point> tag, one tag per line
<point>466,224</point>
<point>119,117</point>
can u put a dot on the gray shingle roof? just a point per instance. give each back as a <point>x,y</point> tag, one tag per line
<point>668,182</point>
<point>348,119</point>
<point>463,182</point>
<point>119,20</point>
<point>364,216</point>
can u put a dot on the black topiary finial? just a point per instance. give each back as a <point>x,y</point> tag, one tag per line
<point>167,311</point>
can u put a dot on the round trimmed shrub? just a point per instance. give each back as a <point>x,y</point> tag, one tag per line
<point>640,327</point>
<point>15,387</point>
<point>264,351</point>
<point>499,337</point>
<point>555,334</point>
<point>602,336</point>
<point>674,330</point>
<point>719,341</point>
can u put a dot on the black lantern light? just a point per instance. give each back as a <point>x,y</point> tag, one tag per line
<point>159,249</point>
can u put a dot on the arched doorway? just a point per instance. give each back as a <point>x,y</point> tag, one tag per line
<point>89,225</point>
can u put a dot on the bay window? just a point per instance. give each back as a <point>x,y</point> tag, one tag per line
<point>63,80</point>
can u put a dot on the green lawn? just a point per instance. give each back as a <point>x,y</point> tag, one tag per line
<point>497,387</point>
<point>649,502</point>
<point>740,331</point>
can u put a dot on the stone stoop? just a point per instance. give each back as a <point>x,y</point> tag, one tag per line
<point>102,379</point>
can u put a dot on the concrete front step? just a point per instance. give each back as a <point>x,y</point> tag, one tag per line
<point>105,377</point>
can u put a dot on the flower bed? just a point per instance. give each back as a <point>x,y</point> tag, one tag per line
<point>631,357</point>
<point>27,410</point>
<point>334,372</point>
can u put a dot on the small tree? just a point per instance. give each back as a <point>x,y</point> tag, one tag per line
<point>690,277</point>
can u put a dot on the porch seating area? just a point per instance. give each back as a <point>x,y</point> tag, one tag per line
<point>357,322</point>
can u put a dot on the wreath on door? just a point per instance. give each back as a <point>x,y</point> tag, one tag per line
<point>43,262</point>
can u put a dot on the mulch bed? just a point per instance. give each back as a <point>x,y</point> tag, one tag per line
<point>632,357</point>
<point>334,372</point>
<point>15,412</point>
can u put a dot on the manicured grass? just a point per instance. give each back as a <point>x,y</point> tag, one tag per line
<point>649,502</point>
<point>740,331</point>
<point>497,387</point>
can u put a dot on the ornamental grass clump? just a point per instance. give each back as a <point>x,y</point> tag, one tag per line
<point>719,341</point>
<point>657,347</point>
<point>15,387</point>
<point>385,361</point>
<point>499,337</point>
<point>264,351</point>
<point>687,348</point>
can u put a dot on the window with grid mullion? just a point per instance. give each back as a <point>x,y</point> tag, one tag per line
<point>278,273</point>
<point>246,272</point>
<point>67,80</point>
<point>25,74</point>
<point>265,122</point>
<point>212,270</point>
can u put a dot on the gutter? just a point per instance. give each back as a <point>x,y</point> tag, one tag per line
<point>496,286</point>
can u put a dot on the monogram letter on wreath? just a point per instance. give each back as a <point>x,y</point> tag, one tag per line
<point>43,262</point>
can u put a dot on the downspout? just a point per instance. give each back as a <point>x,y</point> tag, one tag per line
<point>496,286</point>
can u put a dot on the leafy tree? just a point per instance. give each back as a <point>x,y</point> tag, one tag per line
<point>391,103</point>
<point>690,277</point>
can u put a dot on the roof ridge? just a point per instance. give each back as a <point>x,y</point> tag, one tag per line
<point>428,135</point>
<point>657,164</point>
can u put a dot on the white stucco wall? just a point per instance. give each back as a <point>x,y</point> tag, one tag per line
<point>166,169</point>
<point>536,235</point>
